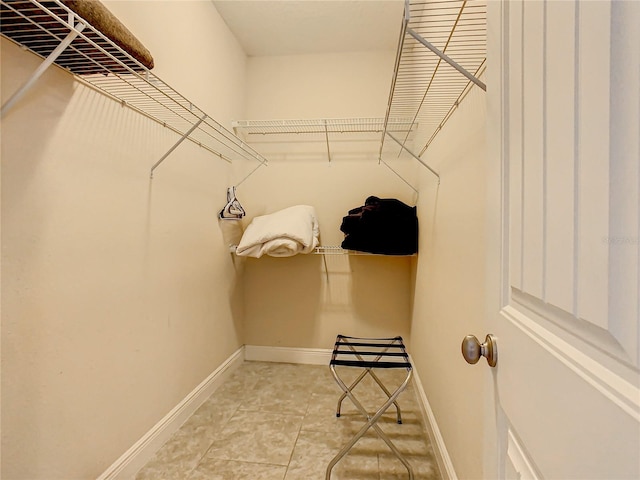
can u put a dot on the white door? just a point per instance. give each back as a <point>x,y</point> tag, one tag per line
<point>564,235</point>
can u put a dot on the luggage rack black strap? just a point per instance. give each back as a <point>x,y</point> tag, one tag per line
<point>344,348</point>
<point>365,344</point>
<point>362,352</point>
<point>366,338</point>
<point>392,355</point>
<point>366,364</point>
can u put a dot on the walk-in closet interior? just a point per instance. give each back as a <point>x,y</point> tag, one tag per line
<point>133,169</point>
<point>120,294</point>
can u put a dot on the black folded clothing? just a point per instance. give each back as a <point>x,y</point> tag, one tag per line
<point>385,226</point>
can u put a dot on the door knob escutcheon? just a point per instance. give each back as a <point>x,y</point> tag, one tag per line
<point>472,349</point>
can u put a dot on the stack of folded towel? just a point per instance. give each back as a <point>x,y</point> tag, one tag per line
<point>384,226</point>
<point>283,233</point>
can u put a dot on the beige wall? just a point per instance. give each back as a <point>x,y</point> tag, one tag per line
<point>118,297</point>
<point>118,294</point>
<point>291,302</point>
<point>319,86</point>
<point>294,302</point>
<point>449,292</point>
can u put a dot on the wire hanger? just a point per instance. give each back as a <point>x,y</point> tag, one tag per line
<point>232,209</point>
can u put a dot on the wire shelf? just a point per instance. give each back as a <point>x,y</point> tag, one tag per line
<point>337,250</point>
<point>323,125</point>
<point>325,128</point>
<point>42,27</point>
<point>429,83</point>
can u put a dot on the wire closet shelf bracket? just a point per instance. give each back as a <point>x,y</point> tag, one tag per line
<point>441,55</point>
<point>56,33</point>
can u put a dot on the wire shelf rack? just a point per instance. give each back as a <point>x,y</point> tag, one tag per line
<point>54,32</point>
<point>338,250</point>
<point>325,129</point>
<point>441,54</point>
<point>323,125</point>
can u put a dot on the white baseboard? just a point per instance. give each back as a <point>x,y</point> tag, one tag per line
<point>125,467</point>
<point>308,356</point>
<point>440,449</point>
<point>141,452</point>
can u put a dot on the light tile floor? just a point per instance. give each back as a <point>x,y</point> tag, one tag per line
<point>277,421</point>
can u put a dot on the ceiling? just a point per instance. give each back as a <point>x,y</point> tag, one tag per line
<point>292,27</point>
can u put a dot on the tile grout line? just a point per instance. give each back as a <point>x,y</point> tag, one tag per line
<point>314,414</point>
<point>225,423</point>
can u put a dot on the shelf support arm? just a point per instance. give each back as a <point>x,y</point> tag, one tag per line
<point>326,135</point>
<point>46,63</point>
<point>401,177</point>
<point>251,173</point>
<point>326,267</point>
<point>447,59</point>
<point>177,144</point>
<point>414,156</point>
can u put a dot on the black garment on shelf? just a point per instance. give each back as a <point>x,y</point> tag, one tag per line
<point>385,226</point>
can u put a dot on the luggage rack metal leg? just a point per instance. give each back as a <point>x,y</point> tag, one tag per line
<point>359,379</point>
<point>379,348</point>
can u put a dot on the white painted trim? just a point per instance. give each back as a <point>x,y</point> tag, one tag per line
<point>621,392</point>
<point>437,442</point>
<point>308,356</point>
<point>519,459</point>
<point>141,452</point>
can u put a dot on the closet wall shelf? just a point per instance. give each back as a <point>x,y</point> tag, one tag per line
<point>440,55</point>
<point>337,250</point>
<point>59,35</point>
<point>323,125</point>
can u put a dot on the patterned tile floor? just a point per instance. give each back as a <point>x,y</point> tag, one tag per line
<point>277,421</point>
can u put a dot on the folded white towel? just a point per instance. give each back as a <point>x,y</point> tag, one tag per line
<point>281,234</point>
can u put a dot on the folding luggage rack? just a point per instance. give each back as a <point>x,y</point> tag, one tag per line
<point>370,353</point>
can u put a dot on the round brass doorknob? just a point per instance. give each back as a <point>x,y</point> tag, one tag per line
<point>472,349</point>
